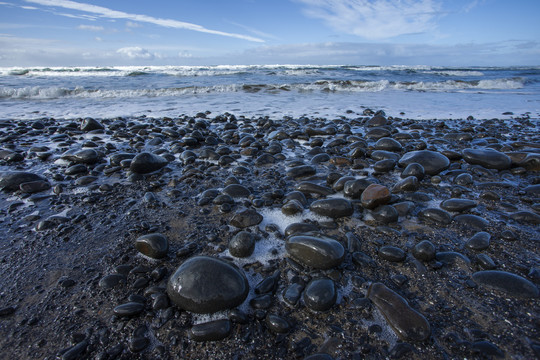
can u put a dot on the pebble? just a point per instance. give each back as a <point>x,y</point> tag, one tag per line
<point>320,294</point>
<point>317,252</point>
<point>375,195</point>
<point>211,331</point>
<point>246,218</point>
<point>12,180</point>
<point>236,191</point>
<point>112,280</point>
<point>479,241</point>
<point>472,221</point>
<point>432,162</point>
<point>408,323</point>
<point>392,254</point>
<point>385,214</point>
<point>334,207</point>
<point>414,169</point>
<point>145,163</point>
<point>129,309</point>
<point>277,324</point>
<point>510,284</point>
<point>153,245</point>
<point>424,250</point>
<point>458,205</point>
<point>435,216</point>
<point>488,158</point>
<point>301,171</point>
<point>204,284</point>
<point>242,244</point>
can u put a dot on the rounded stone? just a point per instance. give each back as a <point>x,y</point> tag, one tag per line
<point>242,244</point>
<point>236,191</point>
<point>408,323</point>
<point>204,284</point>
<point>385,214</point>
<point>12,180</point>
<point>277,324</point>
<point>479,241</point>
<point>246,218</point>
<point>352,188</point>
<point>320,294</point>
<point>488,158</point>
<point>129,309</point>
<point>388,144</point>
<point>211,331</point>
<point>424,250</point>
<point>316,252</point>
<point>414,169</point>
<point>433,162</point>
<point>145,162</point>
<point>458,205</point>
<point>292,207</point>
<point>409,183</point>
<point>301,171</point>
<point>508,283</point>
<point>392,254</point>
<point>153,245</point>
<point>334,207</point>
<point>436,216</point>
<point>375,195</point>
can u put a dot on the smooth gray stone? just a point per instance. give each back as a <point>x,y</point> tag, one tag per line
<point>242,244</point>
<point>204,284</point>
<point>479,241</point>
<point>334,207</point>
<point>458,205</point>
<point>301,171</point>
<point>246,218</point>
<point>236,191</point>
<point>488,158</point>
<point>12,180</point>
<point>277,324</point>
<point>129,309</point>
<point>392,253</point>
<point>211,331</point>
<point>472,221</point>
<point>320,294</point>
<point>153,245</point>
<point>408,323</point>
<point>317,252</point>
<point>145,162</point>
<point>508,283</point>
<point>434,215</point>
<point>433,162</point>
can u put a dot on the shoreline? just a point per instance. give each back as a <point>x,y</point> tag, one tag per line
<point>69,257</point>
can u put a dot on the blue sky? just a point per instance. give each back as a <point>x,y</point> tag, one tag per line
<point>206,32</point>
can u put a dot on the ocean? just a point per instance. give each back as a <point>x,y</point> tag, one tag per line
<point>416,92</point>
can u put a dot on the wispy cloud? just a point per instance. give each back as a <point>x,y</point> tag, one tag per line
<point>375,19</point>
<point>114,14</point>
<point>135,52</point>
<point>91,27</point>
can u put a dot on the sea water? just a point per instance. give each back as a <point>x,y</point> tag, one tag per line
<point>417,92</point>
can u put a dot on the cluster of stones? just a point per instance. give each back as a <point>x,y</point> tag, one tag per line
<point>347,175</point>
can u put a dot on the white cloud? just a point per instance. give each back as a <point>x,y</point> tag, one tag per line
<point>132,25</point>
<point>113,14</point>
<point>375,19</point>
<point>91,27</point>
<point>135,52</point>
<point>185,54</point>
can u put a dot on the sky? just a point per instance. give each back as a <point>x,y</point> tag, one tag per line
<point>321,32</point>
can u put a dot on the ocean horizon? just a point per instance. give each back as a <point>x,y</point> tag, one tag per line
<point>418,92</point>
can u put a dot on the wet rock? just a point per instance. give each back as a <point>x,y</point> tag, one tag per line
<point>424,250</point>
<point>34,186</point>
<point>292,293</point>
<point>246,218</point>
<point>90,124</point>
<point>458,205</point>
<point>479,241</point>
<point>145,163</point>
<point>268,284</point>
<point>510,284</point>
<point>205,285</point>
<point>526,217</point>
<point>486,262</point>
<point>261,302</point>
<point>485,349</point>
<point>410,183</point>
<point>453,258</point>
<point>112,280</point>
<point>308,187</point>
<point>301,171</point>
<point>85,156</point>
<point>242,244</point>
<point>464,179</point>
<point>408,324</point>
<point>236,191</point>
<point>129,309</point>
<point>292,207</point>
<point>392,254</point>
<point>488,158</point>
<point>375,195</point>
<point>414,169</point>
<point>316,252</point>
<point>277,324</point>
<point>385,214</point>
<point>300,228</point>
<point>433,162</point>
<point>153,245</point>
<point>320,294</point>
<point>211,331</point>
<point>76,351</point>
<point>472,221</point>
<point>388,144</point>
<point>436,216</point>
<point>334,207</point>
<point>12,180</point>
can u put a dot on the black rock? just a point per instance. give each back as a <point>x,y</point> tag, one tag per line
<point>414,169</point>
<point>333,207</point>
<point>153,245</point>
<point>301,171</point>
<point>458,205</point>
<point>205,285</point>
<point>316,252</point>
<point>424,250</point>
<point>146,162</point>
<point>508,283</point>
<point>12,180</point>
<point>129,309</point>
<point>90,124</point>
<point>211,331</point>
<point>320,294</point>
<point>242,244</point>
<point>433,162</point>
<point>434,215</point>
<point>488,158</point>
<point>277,324</point>
<point>479,241</point>
<point>246,218</point>
<point>392,253</point>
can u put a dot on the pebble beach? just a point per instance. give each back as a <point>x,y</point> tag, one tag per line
<point>226,236</point>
